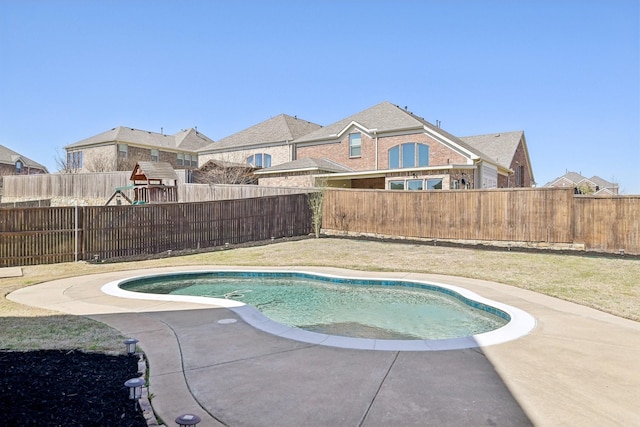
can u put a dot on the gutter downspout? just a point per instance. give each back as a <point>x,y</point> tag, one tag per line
<point>375,134</point>
<point>291,150</point>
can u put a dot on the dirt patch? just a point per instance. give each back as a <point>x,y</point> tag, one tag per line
<point>67,388</point>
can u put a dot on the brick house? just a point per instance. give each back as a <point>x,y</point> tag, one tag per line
<point>13,163</point>
<point>121,148</point>
<point>266,144</point>
<point>388,147</point>
<point>581,185</point>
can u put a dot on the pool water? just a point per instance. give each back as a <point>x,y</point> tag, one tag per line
<point>347,307</point>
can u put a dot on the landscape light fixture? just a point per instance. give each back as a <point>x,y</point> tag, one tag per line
<point>188,420</point>
<point>135,388</point>
<point>131,345</point>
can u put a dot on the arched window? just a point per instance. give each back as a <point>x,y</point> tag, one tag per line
<point>18,167</point>
<point>260,160</point>
<point>408,155</point>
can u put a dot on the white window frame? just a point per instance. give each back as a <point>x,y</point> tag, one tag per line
<point>123,151</point>
<point>355,148</point>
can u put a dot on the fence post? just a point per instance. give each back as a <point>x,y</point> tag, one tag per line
<point>76,230</point>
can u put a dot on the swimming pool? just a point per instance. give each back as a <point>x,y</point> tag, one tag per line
<point>341,311</point>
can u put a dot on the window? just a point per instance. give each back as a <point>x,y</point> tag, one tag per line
<point>180,159</point>
<point>194,160</point>
<point>408,155</point>
<point>423,155</point>
<point>355,145</point>
<point>74,160</point>
<point>155,155</point>
<point>396,185</point>
<point>415,184</point>
<point>434,184</point>
<point>261,160</point>
<point>187,160</point>
<point>18,167</point>
<point>394,157</point>
<point>519,176</point>
<point>123,151</point>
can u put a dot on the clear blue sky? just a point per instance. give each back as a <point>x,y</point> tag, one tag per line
<point>564,71</point>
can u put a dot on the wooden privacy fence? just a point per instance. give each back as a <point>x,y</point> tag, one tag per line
<point>51,235</point>
<point>528,215</point>
<point>548,215</point>
<point>97,188</point>
<point>100,185</point>
<point>76,185</point>
<point>201,192</point>
<point>608,224</point>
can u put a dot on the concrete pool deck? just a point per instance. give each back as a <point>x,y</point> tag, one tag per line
<point>578,366</point>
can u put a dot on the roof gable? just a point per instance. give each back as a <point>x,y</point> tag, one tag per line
<point>501,147</point>
<point>382,117</point>
<point>569,178</point>
<point>279,129</point>
<point>10,157</point>
<point>191,140</point>
<point>602,183</point>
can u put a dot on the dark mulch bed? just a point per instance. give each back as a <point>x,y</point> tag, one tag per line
<point>67,388</point>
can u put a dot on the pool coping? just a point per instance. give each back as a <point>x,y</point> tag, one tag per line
<point>520,324</point>
<point>557,373</point>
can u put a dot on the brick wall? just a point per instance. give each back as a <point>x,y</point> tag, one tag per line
<point>284,180</point>
<point>520,158</point>
<point>339,152</point>
<point>439,154</point>
<point>104,158</point>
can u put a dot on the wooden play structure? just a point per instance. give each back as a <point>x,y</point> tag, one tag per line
<point>152,182</point>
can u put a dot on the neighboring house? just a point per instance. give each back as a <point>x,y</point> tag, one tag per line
<point>389,147</point>
<point>264,145</point>
<point>122,147</point>
<point>582,185</point>
<point>13,163</point>
<point>382,147</point>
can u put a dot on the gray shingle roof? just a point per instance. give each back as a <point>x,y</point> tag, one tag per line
<point>382,117</point>
<point>187,140</point>
<point>500,147</point>
<point>281,128</point>
<point>602,183</point>
<point>10,157</point>
<point>576,178</point>
<point>387,117</point>
<point>307,163</point>
<point>573,177</point>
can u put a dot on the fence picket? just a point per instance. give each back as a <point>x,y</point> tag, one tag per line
<point>47,235</point>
